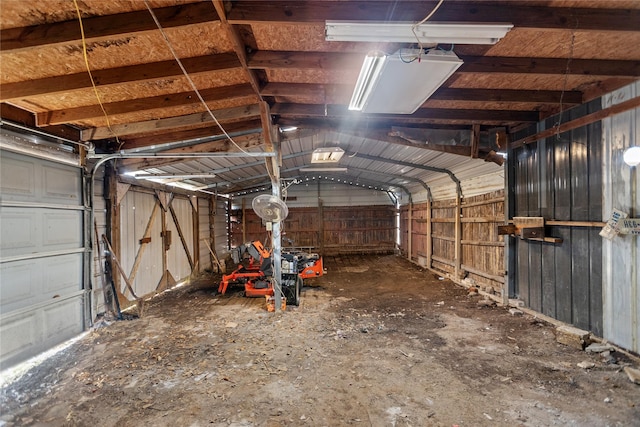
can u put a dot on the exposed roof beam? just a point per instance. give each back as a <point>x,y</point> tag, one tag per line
<point>290,12</point>
<point>118,75</point>
<point>23,117</point>
<point>12,39</point>
<point>443,94</point>
<point>142,104</point>
<point>472,64</point>
<point>181,135</point>
<point>316,110</point>
<point>224,115</point>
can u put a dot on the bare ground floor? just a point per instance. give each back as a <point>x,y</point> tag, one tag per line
<point>378,341</point>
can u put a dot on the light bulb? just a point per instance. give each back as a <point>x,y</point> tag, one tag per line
<point>631,156</point>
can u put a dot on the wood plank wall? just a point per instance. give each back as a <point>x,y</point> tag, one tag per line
<point>328,230</point>
<point>434,239</point>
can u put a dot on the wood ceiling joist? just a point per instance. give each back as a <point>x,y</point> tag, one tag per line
<point>472,64</point>
<point>291,12</point>
<point>223,115</point>
<point>142,104</point>
<point>118,75</point>
<point>26,118</point>
<point>132,142</point>
<point>475,116</point>
<point>442,94</point>
<point>12,39</point>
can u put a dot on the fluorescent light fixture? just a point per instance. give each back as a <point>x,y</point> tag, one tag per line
<point>288,128</point>
<point>400,84</point>
<point>175,176</point>
<point>427,33</point>
<point>312,169</point>
<point>631,156</point>
<point>327,155</point>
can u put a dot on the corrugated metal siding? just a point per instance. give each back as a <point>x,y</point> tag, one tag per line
<point>221,227</point>
<point>42,255</point>
<point>621,275</point>
<point>558,178</point>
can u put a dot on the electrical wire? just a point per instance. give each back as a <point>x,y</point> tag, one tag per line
<point>93,83</point>
<point>184,71</point>
<point>414,26</point>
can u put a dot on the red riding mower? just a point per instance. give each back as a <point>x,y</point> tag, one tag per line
<point>257,278</point>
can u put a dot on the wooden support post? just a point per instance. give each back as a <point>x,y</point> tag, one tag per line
<point>244,221</point>
<point>429,236</point>
<point>321,226</point>
<point>458,238</point>
<point>113,226</point>
<point>409,231</point>
<point>165,265</point>
<point>213,201</point>
<point>195,222</point>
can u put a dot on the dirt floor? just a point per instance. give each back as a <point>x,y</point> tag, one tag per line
<point>378,341</point>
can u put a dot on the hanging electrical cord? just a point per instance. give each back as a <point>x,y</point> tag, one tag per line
<point>414,26</point>
<point>184,71</point>
<point>93,83</point>
<point>564,84</point>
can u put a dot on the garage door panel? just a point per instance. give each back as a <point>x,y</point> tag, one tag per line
<point>62,230</point>
<point>18,231</point>
<point>62,320</point>
<point>34,281</point>
<point>27,231</point>
<point>61,185</point>
<point>18,283</point>
<point>17,335</point>
<point>18,178</point>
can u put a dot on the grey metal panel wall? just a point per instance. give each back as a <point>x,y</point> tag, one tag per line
<point>42,255</point>
<point>621,272</point>
<point>559,178</point>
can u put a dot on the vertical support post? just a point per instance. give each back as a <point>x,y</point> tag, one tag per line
<point>429,232</point>
<point>113,226</point>
<point>229,242</point>
<point>196,235</point>
<point>510,260</point>
<point>321,226</point>
<point>212,228</point>
<point>165,261</point>
<point>410,231</point>
<point>244,221</point>
<point>458,236</point>
<point>276,255</point>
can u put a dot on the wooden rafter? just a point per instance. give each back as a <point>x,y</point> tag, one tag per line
<point>119,75</point>
<point>224,115</point>
<point>12,39</point>
<point>142,104</point>
<point>290,12</point>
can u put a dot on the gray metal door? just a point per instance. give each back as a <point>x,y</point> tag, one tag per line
<point>42,255</point>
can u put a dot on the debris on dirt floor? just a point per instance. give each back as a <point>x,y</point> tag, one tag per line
<point>486,303</point>
<point>586,365</point>
<point>633,374</point>
<point>516,312</point>
<point>571,336</point>
<point>597,347</point>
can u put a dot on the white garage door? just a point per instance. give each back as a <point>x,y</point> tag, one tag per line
<point>42,255</point>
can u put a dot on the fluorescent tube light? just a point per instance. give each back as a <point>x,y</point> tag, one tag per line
<point>174,176</point>
<point>312,169</point>
<point>369,73</point>
<point>327,155</point>
<point>400,85</point>
<point>428,33</point>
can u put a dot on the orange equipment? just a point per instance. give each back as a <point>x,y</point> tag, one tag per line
<point>257,275</point>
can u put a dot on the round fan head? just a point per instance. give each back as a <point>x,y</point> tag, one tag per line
<point>270,208</point>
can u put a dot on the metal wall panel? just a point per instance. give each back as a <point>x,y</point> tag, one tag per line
<point>177,258</point>
<point>621,275</point>
<point>220,227</point>
<point>553,179</point>
<point>42,255</point>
